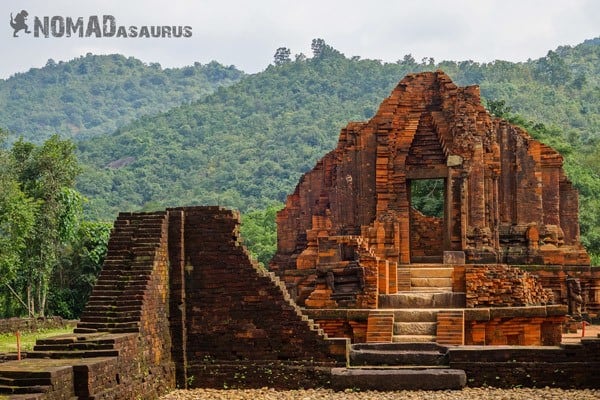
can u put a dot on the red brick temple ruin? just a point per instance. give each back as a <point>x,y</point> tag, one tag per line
<point>350,239</point>
<point>361,278</point>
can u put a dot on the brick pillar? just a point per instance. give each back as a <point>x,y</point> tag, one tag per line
<point>476,193</point>
<point>551,195</point>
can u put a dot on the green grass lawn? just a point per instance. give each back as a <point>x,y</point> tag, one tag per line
<point>8,341</point>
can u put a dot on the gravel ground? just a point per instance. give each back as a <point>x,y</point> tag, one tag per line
<point>465,394</point>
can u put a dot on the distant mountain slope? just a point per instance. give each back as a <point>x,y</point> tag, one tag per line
<point>247,145</point>
<point>94,95</point>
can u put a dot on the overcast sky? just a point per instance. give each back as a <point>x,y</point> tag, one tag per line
<point>247,33</point>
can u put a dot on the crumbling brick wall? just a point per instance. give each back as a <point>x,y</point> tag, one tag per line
<point>239,318</point>
<point>500,285</point>
<point>426,236</point>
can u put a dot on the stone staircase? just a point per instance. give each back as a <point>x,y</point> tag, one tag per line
<point>33,380</point>
<point>398,366</point>
<point>313,326</point>
<point>116,300</point>
<point>401,352</point>
<point>424,290</point>
<point>414,325</point>
<point>108,325</point>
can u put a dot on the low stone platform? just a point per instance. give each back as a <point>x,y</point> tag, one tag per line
<point>35,378</point>
<point>397,379</point>
<point>399,354</point>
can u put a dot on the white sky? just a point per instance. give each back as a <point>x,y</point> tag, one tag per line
<point>246,33</point>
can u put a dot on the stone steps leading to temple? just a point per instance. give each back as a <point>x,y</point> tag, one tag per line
<point>428,277</point>
<point>415,315</point>
<point>415,328</point>
<point>412,299</point>
<point>413,338</point>
<point>398,366</point>
<point>425,354</point>
<point>429,289</point>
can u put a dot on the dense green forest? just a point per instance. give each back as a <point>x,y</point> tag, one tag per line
<point>49,255</point>
<point>243,141</point>
<point>97,94</point>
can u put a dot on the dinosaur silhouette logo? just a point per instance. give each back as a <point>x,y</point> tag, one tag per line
<point>18,23</point>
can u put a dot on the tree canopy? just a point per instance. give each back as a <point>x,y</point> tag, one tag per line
<point>95,94</point>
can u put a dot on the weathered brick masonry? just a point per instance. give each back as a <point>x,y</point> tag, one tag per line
<point>242,329</point>
<point>571,366</point>
<point>178,302</point>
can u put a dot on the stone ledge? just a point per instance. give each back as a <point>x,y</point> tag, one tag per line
<point>397,379</point>
<point>487,314</point>
<point>337,313</point>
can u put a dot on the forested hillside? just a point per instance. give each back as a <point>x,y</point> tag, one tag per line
<point>97,94</point>
<point>246,145</point>
<point>230,139</point>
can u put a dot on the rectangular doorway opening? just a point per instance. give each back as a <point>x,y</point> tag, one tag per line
<point>427,220</point>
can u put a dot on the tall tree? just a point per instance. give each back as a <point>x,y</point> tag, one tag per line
<point>47,175</point>
<point>17,213</point>
<point>282,56</point>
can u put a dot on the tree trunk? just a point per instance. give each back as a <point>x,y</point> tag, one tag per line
<point>30,309</point>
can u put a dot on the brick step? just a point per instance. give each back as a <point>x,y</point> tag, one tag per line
<point>28,372</point>
<point>414,338</point>
<point>119,244</point>
<point>319,331</point>
<point>112,276</point>
<point>415,315</point>
<point>415,328</point>
<point>432,289</point>
<point>55,354</point>
<point>85,330</point>
<point>102,319</point>
<point>429,272</point>
<point>78,346</point>
<point>8,390</point>
<point>5,381</point>
<point>426,282</point>
<point>112,300</point>
<point>423,265</point>
<point>116,325</point>
<point>121,330</point>
<point>93,309</point>
<point>141,267</point>
<point>109,303</point>
<point>125,292</point>
<point>120,286</point>
<point>398,354</point>
<point>106,329</point>
<point>141,250</point>
<point>428,259</point>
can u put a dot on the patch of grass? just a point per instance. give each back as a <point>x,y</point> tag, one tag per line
<point>8,341</point>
